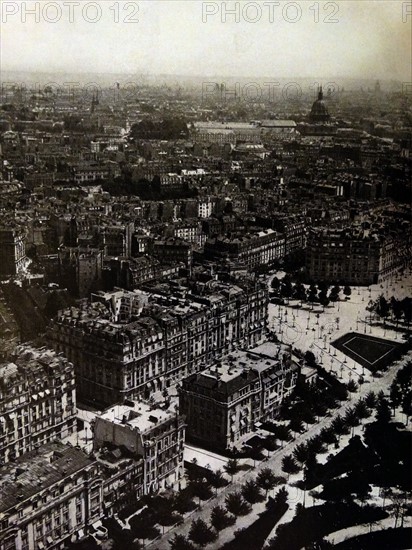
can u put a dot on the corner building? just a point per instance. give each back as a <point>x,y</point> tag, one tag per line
<point>127,345</point>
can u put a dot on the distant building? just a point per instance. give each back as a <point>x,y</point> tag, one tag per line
<point>156,435</point>
<point>223,403</point>
<point>249,249</point>
<point>12,251</point>
<point>173,250</point>
<point>80,269</point>
<point>37,401</point>
<point>319,112</point>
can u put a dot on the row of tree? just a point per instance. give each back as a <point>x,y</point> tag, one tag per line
<point>237,504</point>
<point>322,294</point>
<point>304,453</point>
<point>401,390</point>
<point>397,310</point>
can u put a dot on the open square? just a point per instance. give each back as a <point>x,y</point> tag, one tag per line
<point>369,351</point>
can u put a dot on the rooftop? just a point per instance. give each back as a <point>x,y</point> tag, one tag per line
<point>137,415</point>
<point>38,470</point>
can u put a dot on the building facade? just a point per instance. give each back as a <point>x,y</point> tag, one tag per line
<point>48,497</point>
<point>12,251</point>
<point>156,435</point>
<point>223,403</point>
<point>37,401</point>
<point>355,256</point>
<point>126,345</point>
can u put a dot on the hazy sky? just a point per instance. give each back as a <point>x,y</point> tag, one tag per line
<point>368,39</point>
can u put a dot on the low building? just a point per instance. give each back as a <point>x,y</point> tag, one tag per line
<point>37,401</point>
<point>156,435</point>
<point>223,403</point>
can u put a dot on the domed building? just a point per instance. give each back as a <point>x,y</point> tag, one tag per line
<point>319,112</point>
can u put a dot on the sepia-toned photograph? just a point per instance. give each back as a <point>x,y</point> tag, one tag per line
<point>205,275</point>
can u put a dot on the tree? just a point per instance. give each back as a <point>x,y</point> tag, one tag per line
<point>143,529</point>
<point>370,400</point>
<point>281,497</point>
<point>339,426</point>
<point>407,405</point>
<point>289,465</point>
<point>347,291</point>
<point>407,309</point>
<point>251,492</point>
<point>351,386</point>
<point>183,502</point>
<point>201,489</point>
<point>217,480</point>
<point>201,534</point>
<point>397,310</point>
<point>383,412</point>
<point>315,445</point>
<point>351,418</point>
<point>301,453</point>
<point>267,480</point>
<point>361,410</point>
<point>236,505</point>
<point>275,284</point>
<point>220,519</point>
<point>232,467</point>
<point>323,299</point>
<point>382,307</point>
<point>328,436</point>
<point>180,542</point>
<point>296,425</point>
<point>400,387</point>
<point>282,433</point>
<point>310,358</point>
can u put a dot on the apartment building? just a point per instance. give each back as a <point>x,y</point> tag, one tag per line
<point>48,497</point>
<point>250,250</point>
<point>12,251</point>
<point>223,403</point>
<point>126,345</point>
<point>37,401</point>
<point>355,255</point>
<point>156,435</point>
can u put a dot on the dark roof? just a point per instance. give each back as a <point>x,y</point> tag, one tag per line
<point>37,470</point>
<point>223,387</point>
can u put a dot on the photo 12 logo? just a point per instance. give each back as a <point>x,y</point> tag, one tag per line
<point>271,12</point>
<point>270,92</point>
<point>72,92</point>
<point>71,12</point>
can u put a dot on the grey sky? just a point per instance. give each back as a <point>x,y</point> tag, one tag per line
<point>370,39</point>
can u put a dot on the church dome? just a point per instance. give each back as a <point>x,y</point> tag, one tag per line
<point>319,112</point>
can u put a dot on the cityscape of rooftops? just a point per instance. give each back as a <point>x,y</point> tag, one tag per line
<point>205,275</point>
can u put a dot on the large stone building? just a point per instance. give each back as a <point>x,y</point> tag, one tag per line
<point>48,497</point>
<point>250,249</point>
<point>355,255</point>
<point>223,403</point>
<point>152,434</point>
<point>126,345</point>
<point>37,401</point>
<point>319,111</point>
